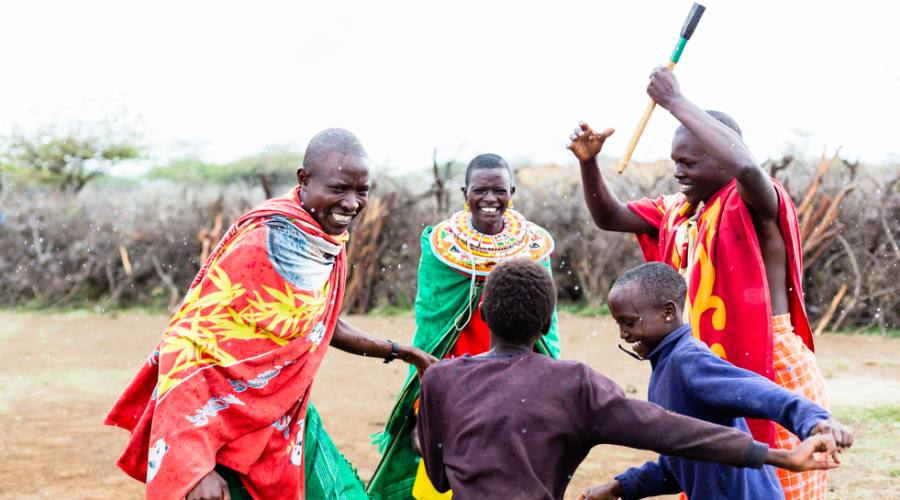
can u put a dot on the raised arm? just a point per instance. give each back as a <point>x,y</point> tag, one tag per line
<point>350,339</point>
<point>606,209</point>
<point>724,145</point>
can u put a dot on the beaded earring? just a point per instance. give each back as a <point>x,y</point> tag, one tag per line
<point>509,205</point>
<point>466,207</point>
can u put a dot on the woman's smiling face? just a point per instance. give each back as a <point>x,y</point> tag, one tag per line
<point>488,193</point>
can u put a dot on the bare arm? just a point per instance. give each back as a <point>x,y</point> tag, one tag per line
<point>350,339</point>
<point>803,457</point>
<point>606,209</point>
<point>724,145</point>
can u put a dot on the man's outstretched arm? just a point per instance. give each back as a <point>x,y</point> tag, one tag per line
<point>351,339</point>
<point>724,145</point>
<point>606,209</point>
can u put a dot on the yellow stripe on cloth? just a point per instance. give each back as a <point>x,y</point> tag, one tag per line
<point>796,370</point>
<point>424,490</point>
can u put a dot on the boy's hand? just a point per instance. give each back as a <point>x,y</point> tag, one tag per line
<point>842,436</point>
<point>803,458</point>
<point>586,144</point>
<point>211,487</point>
<point>414,442</point>
<point>609,491</point>
<point>416,357</point>
<point>663,87</point>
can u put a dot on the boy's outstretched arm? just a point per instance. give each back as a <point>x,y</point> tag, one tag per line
<point>723,144</point>
<point>842,436</point>
<point>612,418</point>
<point>633,483</point>
<point>802,458</point>
<point>606,491</point>
<point>606,209</point>
<point>729,390</point>
<point>649,480</point>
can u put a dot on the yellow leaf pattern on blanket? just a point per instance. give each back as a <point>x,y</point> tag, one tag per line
<point>197,331</point>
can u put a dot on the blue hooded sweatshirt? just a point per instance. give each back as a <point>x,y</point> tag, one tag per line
<point>689,379</point>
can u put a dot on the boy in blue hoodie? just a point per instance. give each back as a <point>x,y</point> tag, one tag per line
<point>687,378</point>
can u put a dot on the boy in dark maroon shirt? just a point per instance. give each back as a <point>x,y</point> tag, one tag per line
<point>511,423</point>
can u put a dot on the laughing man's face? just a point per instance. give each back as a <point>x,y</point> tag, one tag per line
<point>336,191</point>
<point>699,175</point>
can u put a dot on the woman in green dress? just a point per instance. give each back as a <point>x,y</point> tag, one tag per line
<point>457,255</point>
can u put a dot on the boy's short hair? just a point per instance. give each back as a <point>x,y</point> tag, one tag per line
<point>657,281</point>
<point>519,298</point>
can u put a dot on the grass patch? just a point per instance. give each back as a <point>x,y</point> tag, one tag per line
<point>391,311</point>
<point>878,415</point>
<point>873,457</point>
<point>584,310</point>
<point>891,333</point>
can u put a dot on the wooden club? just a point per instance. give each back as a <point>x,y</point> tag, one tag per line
<point>686,31</point>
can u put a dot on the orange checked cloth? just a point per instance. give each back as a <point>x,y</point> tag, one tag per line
<point>796,370</point>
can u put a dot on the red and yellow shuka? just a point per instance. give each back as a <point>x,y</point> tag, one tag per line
<point>229,382</point>
<point>728,295</point>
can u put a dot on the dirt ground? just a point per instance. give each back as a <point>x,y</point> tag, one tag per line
<point>61,373</point>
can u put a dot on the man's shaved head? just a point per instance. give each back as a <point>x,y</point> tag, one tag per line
<point>333,182</point>
<point>724,118</point>
<point>329,141</point>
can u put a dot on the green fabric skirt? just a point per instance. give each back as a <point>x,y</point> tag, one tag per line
<point>329,476</point>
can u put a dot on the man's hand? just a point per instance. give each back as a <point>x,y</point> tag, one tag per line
<point>586,144</point>
<point>608,491</point>
<point>352,340</point>
<point>842,436</point>
<point>211,487</point>
<point>663,87</point>
<point>416,357</point>
<point>803,458</point>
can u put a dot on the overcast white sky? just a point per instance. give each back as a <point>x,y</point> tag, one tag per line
<point>226,78</point>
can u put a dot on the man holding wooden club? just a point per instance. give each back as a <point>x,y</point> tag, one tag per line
<point>732,232</point>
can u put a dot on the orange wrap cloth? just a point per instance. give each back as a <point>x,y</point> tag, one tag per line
<point>229,382</point>
<point>728,294</point>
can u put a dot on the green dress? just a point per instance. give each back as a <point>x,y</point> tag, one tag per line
<point>329,476</point>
